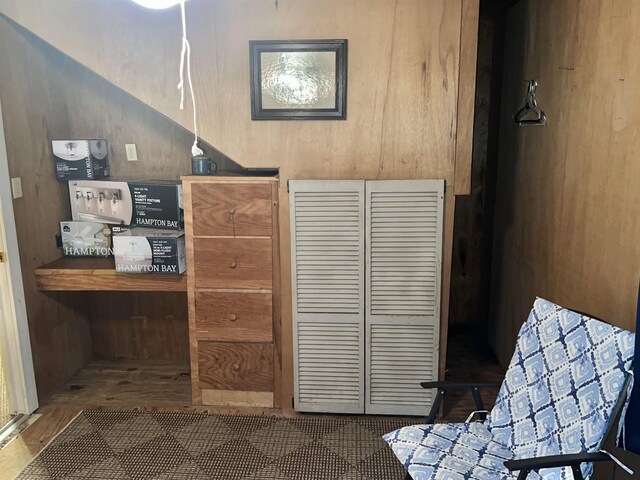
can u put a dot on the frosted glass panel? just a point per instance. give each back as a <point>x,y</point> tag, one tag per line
<point>298,80</point>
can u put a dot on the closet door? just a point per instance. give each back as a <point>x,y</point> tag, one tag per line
<point>327,265</point>
<point>404,257</point>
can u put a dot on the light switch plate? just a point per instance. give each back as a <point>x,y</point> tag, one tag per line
<point>16,187</point>
<point>132,153</point>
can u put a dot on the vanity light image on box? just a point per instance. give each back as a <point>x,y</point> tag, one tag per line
<point>101,201</point>
<point>151,203</point>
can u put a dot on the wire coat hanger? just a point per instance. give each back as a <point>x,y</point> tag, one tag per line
<point>530,105</point>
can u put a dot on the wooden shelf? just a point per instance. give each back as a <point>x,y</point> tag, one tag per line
<point>99,274</point>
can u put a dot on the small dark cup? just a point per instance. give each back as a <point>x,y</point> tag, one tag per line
<point>203,165</point>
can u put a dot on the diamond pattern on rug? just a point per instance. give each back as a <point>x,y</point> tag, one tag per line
<point>317,428</point>
<point>188,469</point>
<point>125,435</point>
<point>177,420</point>
<point>107,469</point>
<point>78,428</point>
<point>269,473</point>
<point>203,435</point>
<point>355,475</point>
<point>382,461</point>
<point>235,459</point>
<point>363,442</point>
<point>103,419</point>
<point>153,458</point>
<point>136,445</point>
<point>325,465</point>
<point>279,439</point>
<point>244,424</point>
<point>63,459</point>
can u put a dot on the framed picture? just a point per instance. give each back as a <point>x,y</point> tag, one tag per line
<point>298,79</point>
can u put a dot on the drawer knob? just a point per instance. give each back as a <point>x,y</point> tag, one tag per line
<point>232,210</point>
<point>232,264</point>
<point>233,317</point>
<point>236,367</point>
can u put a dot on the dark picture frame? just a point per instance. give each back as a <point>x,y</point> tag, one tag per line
<point>300,72</point>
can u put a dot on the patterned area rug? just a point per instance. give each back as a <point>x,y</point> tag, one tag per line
<point>197,446</point>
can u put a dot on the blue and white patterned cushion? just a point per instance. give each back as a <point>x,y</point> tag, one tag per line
<point>558,395</point>
<point>454,451</point>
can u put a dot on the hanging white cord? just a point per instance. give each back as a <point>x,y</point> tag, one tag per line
<point>186,52</point>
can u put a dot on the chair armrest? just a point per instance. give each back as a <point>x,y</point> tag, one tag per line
<point>444,386</point>
<point>573,460</point>
<point>458,385</point>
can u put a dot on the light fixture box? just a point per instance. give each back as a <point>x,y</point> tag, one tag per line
<point>149,250</point>
<point>80,159</point>
<point>152,203</point>
<point>85,239</point>
<point>101,201</point>
<point>157,204</point>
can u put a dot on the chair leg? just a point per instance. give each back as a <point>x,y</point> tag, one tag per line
<point>523,474</point>
<point>435,407</point>
<point>577,472</point>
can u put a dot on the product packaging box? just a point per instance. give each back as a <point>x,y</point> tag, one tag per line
<point>149,250</point>
<point>85,239</point>
<point>154,203</point>
<point>157,204</point>
<point>80,159</point>
<point>101,201</point>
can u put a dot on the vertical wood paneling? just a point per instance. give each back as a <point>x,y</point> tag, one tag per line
<point>568,199</point>
<point>466,96</point>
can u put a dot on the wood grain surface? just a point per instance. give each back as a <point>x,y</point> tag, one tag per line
<point>237,398</point>
<point>236,366</point>
<point>127,382</point>
<point>466,96</point>
<point>98,274</point>
<point>567,222</point>
<point>144,325</point>
<point>231,209</point>
<point>234,316</point>
<point>233,262</point>
<point>196,390</point>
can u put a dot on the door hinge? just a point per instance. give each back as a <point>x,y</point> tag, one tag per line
<point>3,257</point>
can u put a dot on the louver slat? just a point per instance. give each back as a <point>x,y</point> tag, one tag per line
<point>404,242</point>
<point>327,238</point>
<point>318,254</point>
<point>339,381</point>
<point>395,221</point>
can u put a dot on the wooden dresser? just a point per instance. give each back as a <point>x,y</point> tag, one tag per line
<point>233,269</point>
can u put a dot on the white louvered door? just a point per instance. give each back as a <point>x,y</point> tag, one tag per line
<point>365,346</point>
<point>327,263</point>
<point>404,257</point>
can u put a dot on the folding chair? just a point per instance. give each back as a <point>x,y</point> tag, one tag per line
<point>567,382</point>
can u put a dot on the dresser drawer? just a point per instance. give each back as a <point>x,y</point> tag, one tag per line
<point>232,262</point>
<point>231,210</point>
<point>234,316</point>
<point>236,366</point>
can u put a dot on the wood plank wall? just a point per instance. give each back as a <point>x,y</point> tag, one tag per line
<point>403,89</point>
<point>568,201</point>
<point>45,95</point>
